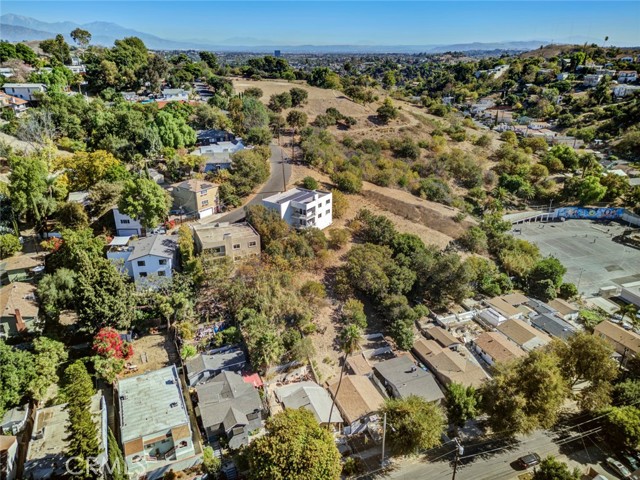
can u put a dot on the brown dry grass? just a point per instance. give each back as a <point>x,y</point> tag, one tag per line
<point>158,351</point>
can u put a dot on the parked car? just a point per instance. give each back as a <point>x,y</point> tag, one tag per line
<point>618,467</point>
<point>530,460</point>
<point>631,461</point>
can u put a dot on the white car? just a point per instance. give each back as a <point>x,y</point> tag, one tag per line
<point>618,467</point>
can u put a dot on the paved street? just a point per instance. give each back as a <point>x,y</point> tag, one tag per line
<point>280,174</point>
<point>500,464</point>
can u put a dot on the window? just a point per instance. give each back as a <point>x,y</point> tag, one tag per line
<point>163,261</point>
<point>319,215</point>
<point>125,221</point>
<point>236,246</point>
<point>143,274</point>
<point>205,203</point>
<point>162,273</point>
<point>327,202</point>
<point>253,244</point>
<point>141,263</point>
<point>203,193</point>
<point>327,212</point>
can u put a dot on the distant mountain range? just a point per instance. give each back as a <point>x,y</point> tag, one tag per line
<point>18,28</point>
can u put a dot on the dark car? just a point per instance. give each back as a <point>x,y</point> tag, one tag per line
<point>530,460</point>
<point>631,461</point>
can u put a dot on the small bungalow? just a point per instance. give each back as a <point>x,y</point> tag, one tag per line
<point>443,337</point>
<point>494,347</point>
<point>204,366</point>
<point>401,377</point>
<point>524,335</point>
<point>18,309</point>
<point>358,401</point>
<point>312,397</point>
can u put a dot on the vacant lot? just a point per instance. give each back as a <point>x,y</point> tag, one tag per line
<point>586,248</point>
<point>151,352</point>
<point>319,98</point>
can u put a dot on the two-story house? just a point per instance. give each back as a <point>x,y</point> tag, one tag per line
<point>18,105</point>
<point>196,198</point>
<point>155,430</point>
<point>125,225</point>
<point>144,258</point>
<point>235,240</point>
<point>26,91</point>
<point>302,208</point>
<point>627,76</point>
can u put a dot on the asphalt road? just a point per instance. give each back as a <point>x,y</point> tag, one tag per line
<point>280,175</point>
<point>500,464</point>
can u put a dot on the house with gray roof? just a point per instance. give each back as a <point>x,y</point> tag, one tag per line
<point>146,258</point>
<point>553,325</point>
<point>14,420</point>
<point>401,377</point>
<point>312,397</point>
<point>204,366</point>
<point>229,408</point>
<point>155,430</point>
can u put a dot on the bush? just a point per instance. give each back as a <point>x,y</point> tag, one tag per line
<point>210,463</point>
<point>9,245</point>
<point>259,136</point>
<point>340,203</point>
<point>347,182</point>
<point>567,291</point>
<point>310,183</point>
<point>188,351</point>
<point>483,141</point>
<point>338,238</point>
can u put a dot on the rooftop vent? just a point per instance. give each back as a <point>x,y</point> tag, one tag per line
<point>173,404</point>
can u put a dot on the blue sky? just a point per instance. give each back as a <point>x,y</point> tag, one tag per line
<point>355,22</point>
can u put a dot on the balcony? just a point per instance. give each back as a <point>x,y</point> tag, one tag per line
<point>304,214</point>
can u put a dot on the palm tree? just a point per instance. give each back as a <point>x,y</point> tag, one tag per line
<point>628,310</point>
<point>349,343</point>
<point>588,162</point>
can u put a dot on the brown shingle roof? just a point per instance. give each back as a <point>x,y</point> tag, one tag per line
<point>498,347</point>
<point>442,336</point>
<point>357,397</point>
<point>503,307</point>
<point>515,299</point>
<point>626,338</point>
<point>562,306</point>
<point>521,332</point>
<point>449,366</point>
<point>359,364</point>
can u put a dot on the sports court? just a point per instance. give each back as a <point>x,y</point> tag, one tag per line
<point>585,247</point>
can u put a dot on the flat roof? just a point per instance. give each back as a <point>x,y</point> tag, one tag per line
<point>216,233</point>
<point>151,402</point>
<point>24,85</point>
<point>46,453</point>
<point>300,195</point>
<point>119,241</point>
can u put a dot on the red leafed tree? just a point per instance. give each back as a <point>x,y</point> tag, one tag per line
<point>107,343</point>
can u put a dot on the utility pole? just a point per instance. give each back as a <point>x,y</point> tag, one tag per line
<point>459,452</point>
<point>384,436</point>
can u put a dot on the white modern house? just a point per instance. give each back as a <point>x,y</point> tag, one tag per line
<point>125,225</point>
<point>592,80</point>
<point>627,76</point>
<point>302,208</point>
<point>25,91</point>
<point>144,258</point>
<point>175,95</point>
<point>155,430</point>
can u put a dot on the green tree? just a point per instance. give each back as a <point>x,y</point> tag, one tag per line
<point>259,136</point>
<point>248,170</point>
<point>83,440</point>
<point>627,310</point>
<point>340,204</point>
<point>299,96</point>
<point>72,215</point>
<point>586,357</point>
<point>310,183</point>
<point>413,424</point>
<point>49,355</point>
<point>103,297</point>
<point>17,372</point>
<point>462,403</point>
<point>117,465</point>
<point>474,240</point>
<point>627,392</point>
<point>347,182</point>
<point>548,271</point>
<point>353,313</point>
<point>387,111</point>
<point>26,54</point>
<point>552,469</point>
<point>174,131</point>
<point>81,37</point>
<point>145,200</point>
<point>28,186</point>
<point>58,48</point>
<point>210,463</point>
<point>295,446</point>
<point>350,337</point>
<point>622,425</point>
<point>525,394</point>
<point>324,77</point>
<point>210,59</point>
<point>296,119</point>
<point>9,245</point>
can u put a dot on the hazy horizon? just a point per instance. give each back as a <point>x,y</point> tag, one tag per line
<point>365,23</point>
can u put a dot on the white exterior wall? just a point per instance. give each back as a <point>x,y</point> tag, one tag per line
<point>11,467</point>
<point>492,317</point>
<point>25,93</point>
<point>125,225</point>
<point>152,266</point>
<point>487,358</point>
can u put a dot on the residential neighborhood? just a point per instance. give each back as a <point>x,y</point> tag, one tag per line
<point>255,256</point>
